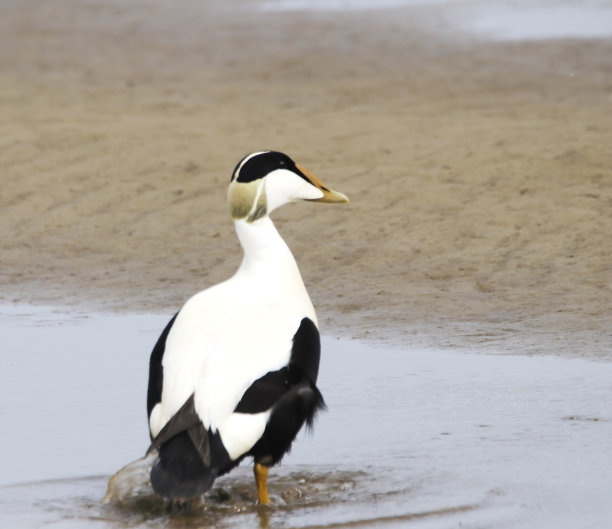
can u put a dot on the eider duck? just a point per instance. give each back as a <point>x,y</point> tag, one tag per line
<point>234,372</point>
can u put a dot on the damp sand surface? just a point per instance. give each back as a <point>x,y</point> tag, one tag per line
<point>411,438</point>
<point>473,139</point>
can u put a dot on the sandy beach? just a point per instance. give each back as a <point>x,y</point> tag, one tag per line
<point>480,172</point>
<point>456,294</point>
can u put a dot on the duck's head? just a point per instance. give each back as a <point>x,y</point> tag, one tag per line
<point>264,181</point>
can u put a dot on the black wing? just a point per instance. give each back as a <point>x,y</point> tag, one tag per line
<point>185,420</point>
<point>303,367</point>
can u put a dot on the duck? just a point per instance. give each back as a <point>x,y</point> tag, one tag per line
<point>233,374</point>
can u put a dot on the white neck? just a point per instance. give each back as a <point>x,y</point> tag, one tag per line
<point>268,267</point>
<point>262,244</point>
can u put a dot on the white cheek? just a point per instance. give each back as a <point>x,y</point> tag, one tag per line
<point>284,186</point>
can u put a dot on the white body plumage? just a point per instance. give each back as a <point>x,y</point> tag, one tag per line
<point>226,337</point>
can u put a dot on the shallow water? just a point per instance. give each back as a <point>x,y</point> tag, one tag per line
<point>515,21</point>
<point>499,20</point>
<point>412,438</point>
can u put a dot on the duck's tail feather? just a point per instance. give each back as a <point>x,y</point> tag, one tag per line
<point>190,456</point>
<point>180,472</point>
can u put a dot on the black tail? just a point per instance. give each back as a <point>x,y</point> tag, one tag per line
<point>190,456</point>
<point>179,472</point>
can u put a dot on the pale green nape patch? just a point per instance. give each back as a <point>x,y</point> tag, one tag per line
<point>247,200</point>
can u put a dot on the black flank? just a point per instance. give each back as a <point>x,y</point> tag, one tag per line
<point>156,372</point>
<point>264,392</point>
<point>306,351</point>
<point>290,392</point>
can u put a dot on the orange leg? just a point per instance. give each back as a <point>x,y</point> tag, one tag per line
<point>261,478</point>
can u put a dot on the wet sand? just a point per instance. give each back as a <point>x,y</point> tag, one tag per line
<point>480,172</point>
